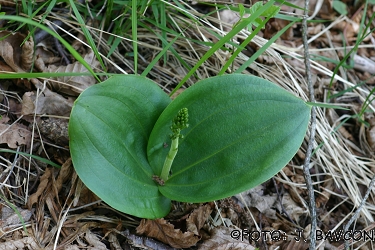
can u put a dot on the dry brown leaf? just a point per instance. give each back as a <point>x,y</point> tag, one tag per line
<point>274,25</point>
<point>93,240</point>
<point>323,197</point>
<point>221,239</point>
<point>7,3</point>
<point>142,242</point>
<point>292,208</point>
<point>64,174</point>
<point>264,203</point>
<point>197,218</point>
<point>82,195</point>
<point>334,120</point>
<point>44,181</point>
<point>162,230</point>
<point>18,57</point>
<point>114,242</point>
<point>295,245</point>
<point>370,134</point>
<point>9,217</point>
<point>315,29</point>
<point>371,137</point>
<point>53,207</point>
<point>350,30</point>
<point>5,67</point>
<point>230,16</point>
<point>24,243</point>
<point>14,135</point>
<point>48,102</point>
<point>7,52</point>
<point>44,52</point>
<point>27,55</point>
<point>72,85</point>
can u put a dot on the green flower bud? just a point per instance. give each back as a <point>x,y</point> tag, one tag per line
<point>179,123</point>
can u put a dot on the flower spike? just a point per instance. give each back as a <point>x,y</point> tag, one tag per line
<point>178,123</point>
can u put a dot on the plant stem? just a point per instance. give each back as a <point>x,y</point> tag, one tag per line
<point>179,123</point>
<point>169,159</point>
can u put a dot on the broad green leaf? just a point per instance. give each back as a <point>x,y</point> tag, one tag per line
<point>272,11</point>
<point>269,12</point>
<point>241,10</point>
<point>109,128</point>
<point>340,7</point>
<point>256,6</point>
<point>243,130</point>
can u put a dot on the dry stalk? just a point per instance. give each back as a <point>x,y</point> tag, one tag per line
<point>306,165</point>
<point>356,213</point>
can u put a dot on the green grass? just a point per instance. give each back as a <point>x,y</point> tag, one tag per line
<point>363,33</point>
<point>161,20</point>
<point>87,34</point>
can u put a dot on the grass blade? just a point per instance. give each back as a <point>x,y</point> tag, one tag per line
<point>263,48</point>
<point>156,59</point>
<point>135,34</point>
<point>32,156</point>
<point>87,34</point>
<point>243,45</point>
<point>57,36</point>
<point>225,39</point>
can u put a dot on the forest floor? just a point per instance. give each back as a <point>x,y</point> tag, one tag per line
<point>44,207</point>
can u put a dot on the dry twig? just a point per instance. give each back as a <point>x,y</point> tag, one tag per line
<point>306,165</point>
<point>356,213</point>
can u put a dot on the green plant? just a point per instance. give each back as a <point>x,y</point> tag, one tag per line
<point>242,130</point>
<point>340,7</point>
